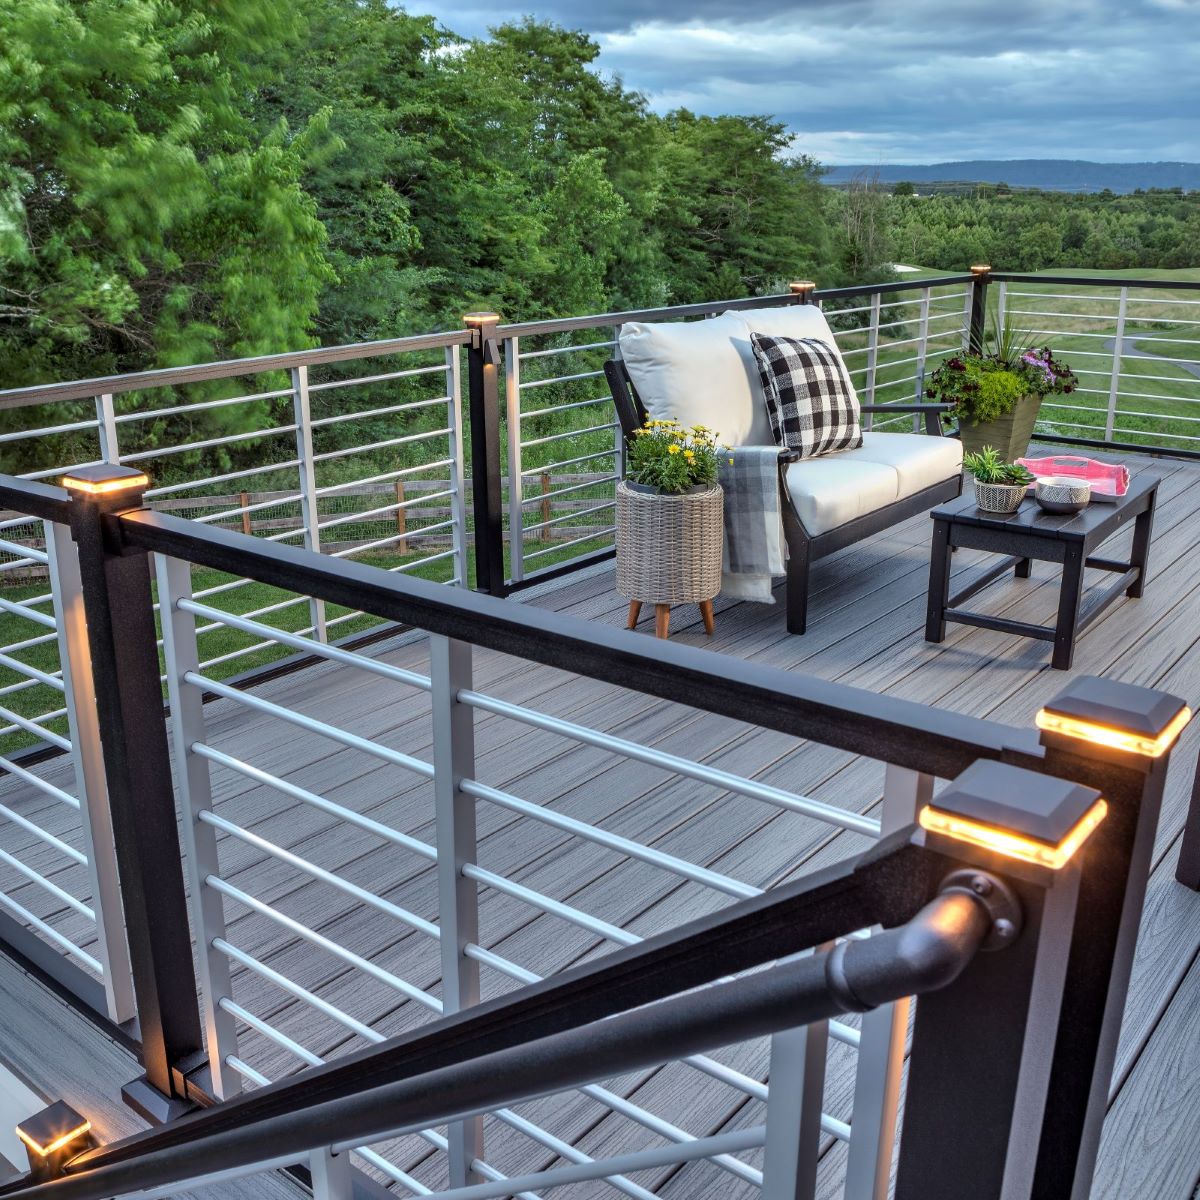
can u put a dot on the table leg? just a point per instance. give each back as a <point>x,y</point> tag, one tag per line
<point>1023,569</point>
<point>939,583</point>
<point>1071,590</point>
<point>635,611</point>
<point>1140,556</point>
<point>706,612</point>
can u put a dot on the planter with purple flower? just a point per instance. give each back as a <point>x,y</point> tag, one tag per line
<point>997,394</point>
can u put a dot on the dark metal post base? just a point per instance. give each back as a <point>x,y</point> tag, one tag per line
<point>148,1102</point>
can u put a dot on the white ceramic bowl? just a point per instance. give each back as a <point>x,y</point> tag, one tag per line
<point>1062,493</point>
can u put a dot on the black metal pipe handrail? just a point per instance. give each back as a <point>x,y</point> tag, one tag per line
<point>903,732</point>
<point>928,952</point>
<point>887,885</point>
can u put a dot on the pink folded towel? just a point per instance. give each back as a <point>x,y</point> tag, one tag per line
<point>1107,479</point>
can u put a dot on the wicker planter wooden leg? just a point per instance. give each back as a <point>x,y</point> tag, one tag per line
<point>669,551</point>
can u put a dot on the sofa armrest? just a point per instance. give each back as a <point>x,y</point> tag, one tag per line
<point>932,412</point>
<point>932,406</point>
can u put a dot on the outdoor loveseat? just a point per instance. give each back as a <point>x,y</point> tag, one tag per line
<point>704,373</point>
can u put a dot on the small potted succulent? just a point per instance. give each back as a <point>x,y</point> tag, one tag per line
<point>997,394</point>
<point>670,520</point>
<point>999,486</point>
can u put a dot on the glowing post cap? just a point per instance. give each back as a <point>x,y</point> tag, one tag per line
<point>480,318</point>
<point>1020,814</point>
<point>104,479</point>
<point>53,1129</point>
<point>1117,716</point>
<point>981,269</point>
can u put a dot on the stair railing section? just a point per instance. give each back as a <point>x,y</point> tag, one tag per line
<point>983,936</point>
<point>1111,738</point>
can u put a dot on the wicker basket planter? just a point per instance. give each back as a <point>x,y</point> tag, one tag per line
<point>669,549</point>
<point>999,497</point>
<point>1009,434</point>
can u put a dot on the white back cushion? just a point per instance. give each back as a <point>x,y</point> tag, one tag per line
<point>699,373</point>
<point>704,372</point>
<point>792,321</point>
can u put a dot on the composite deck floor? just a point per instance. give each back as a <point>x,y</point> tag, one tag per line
<point>865,628</point>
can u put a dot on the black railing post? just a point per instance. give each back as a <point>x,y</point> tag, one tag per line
<point>129,701</point>
<point>483,366</point>
<point>977,1079</point>
<point>977,330</point>
<point>803,290</point>
<point>1116,738</point>
<point>1188,869</point>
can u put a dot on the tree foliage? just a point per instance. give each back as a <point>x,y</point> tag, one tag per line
<point>185,180</point>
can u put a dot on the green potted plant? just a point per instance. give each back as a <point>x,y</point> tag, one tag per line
<point>670,521</point>
<point>999,486</point>
<point>997,394</point>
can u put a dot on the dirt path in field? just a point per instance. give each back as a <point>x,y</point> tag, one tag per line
<point>1129,349</point>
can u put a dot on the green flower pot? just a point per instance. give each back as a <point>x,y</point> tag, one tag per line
<point>1009,434</point>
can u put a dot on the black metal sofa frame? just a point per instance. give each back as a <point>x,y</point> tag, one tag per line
<point>804,548</point>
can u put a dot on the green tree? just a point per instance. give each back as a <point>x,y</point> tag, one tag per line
<point>142,221</point>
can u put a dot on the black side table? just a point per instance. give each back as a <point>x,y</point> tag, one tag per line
<point>1028,534</point>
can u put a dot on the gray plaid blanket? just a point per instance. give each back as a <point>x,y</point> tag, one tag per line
<point>753,522</point>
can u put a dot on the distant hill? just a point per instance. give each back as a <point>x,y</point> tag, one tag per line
<point>1052,174</point>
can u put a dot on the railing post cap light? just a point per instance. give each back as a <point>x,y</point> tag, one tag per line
<point>481,318</point>
<point>1113,716</point>
<point>799,286</point>
<point>53,1136</point>
<point>981,269</point>
<point>1023,815</point>
<point>104,479</point>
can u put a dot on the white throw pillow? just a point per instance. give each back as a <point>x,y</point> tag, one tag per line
<point>699,373</point>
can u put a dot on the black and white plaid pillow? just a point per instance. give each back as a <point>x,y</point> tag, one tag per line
<point>810,399</point>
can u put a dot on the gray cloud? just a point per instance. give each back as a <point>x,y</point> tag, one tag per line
<point>909,80</point>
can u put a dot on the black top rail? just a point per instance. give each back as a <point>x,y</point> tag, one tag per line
<point>1182,285</point>
<point>42,500</point>
<point>675,311</point>
<point>633,1009</point>
<point>86,389</point>
<point>231,368</point>
<point>903,732</point>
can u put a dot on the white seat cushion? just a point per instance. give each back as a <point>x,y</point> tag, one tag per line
<point>699,373</point>
<point>836,488</point>
<point>920,461</point>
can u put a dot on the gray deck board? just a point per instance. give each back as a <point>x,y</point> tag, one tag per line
<point>866,622</point>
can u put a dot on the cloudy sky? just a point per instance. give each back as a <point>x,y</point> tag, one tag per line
<point>873,81</point>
